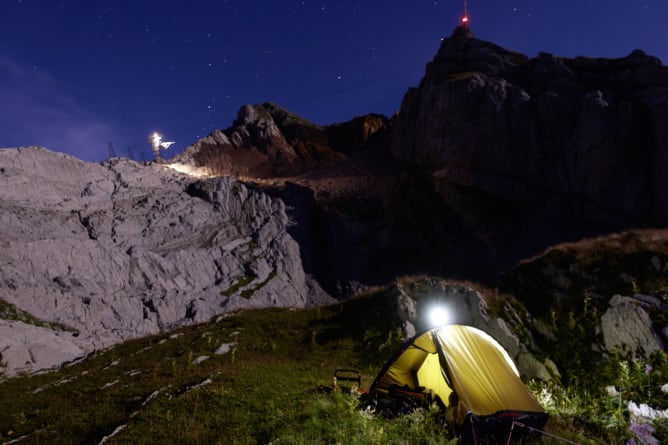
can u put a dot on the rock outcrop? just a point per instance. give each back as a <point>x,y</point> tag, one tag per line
<point>268,141</point>
<point>533,151</point>
<point>623,263</point>
<point>627,326</point>
<point>104,253</point>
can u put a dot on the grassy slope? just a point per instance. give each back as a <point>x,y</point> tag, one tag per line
<point>278,359</point>
<point>264,390</point>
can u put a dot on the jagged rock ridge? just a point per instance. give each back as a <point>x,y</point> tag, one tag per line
<point>268,141</point>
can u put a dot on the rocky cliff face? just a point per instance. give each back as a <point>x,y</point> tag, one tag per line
<point>512,142</point>
<point>103,253</point>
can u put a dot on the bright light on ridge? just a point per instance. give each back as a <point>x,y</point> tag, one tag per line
<point>197,172</point>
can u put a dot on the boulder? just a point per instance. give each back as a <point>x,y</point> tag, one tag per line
<point>627,327</point>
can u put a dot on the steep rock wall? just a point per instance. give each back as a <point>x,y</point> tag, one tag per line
<point>120,250</point>
<point>553,140</point>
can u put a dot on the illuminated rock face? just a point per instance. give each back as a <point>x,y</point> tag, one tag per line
<point>267,141</point>
<point>546,139</point>
<point>120,250</point>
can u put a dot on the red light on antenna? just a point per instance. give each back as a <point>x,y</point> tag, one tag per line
<point>465,19</point>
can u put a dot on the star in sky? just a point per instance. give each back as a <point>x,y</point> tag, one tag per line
<point>77,74</point>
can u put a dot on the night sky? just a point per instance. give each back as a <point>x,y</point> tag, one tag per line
<point>75,75</point>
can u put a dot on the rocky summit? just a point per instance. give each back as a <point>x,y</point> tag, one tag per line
<point>95,254</point>
<point>568,144</point>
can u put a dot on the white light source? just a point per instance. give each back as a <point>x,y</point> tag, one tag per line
<point>438,316</point>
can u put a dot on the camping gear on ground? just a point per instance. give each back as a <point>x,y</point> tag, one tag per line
<point>467,373</point>
<point>346,380</point>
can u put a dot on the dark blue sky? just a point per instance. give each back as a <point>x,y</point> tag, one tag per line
<point>75,75</point>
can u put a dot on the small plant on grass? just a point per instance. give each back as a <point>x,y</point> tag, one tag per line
<point>576,335</point>
<point>339,418</point>
<point>602,409</point>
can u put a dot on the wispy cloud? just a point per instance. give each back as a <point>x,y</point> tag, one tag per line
<point>36,111</point>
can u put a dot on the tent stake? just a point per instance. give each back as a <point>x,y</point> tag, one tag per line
<point>475,439</point>
<point>530,428</point>
<point>510,436</point>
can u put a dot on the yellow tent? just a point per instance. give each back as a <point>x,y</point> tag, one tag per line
<point>467,371</point>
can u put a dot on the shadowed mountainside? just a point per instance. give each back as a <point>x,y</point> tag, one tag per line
<point>492,158</point>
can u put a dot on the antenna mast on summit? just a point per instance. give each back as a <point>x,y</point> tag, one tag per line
<point>465,18</point>
<point>156,143</point>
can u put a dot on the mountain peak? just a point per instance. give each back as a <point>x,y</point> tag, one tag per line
<point>463,31</point>
<point>463,53</point>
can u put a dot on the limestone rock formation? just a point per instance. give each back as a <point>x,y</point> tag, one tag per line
<point>119,250</point>
<point>627,327</point>
<point>493,158</point>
